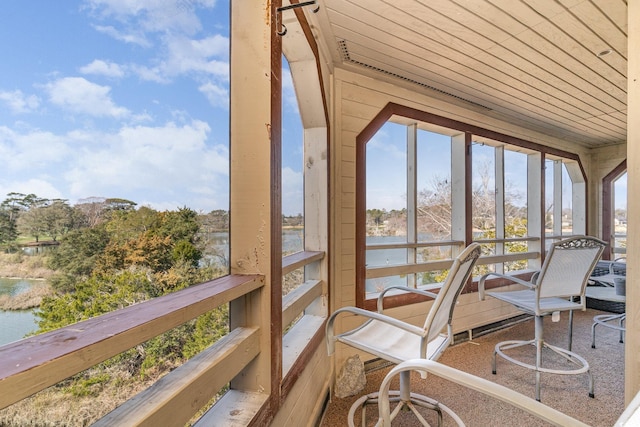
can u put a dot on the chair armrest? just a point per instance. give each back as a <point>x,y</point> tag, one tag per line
<point>370,315</point>
<point>528,284</point>
<point>380,304</point>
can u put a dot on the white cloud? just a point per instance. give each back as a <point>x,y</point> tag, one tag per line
<point>217,95</point>
<point>79,95</point>
<point>202,59</point>
<point>292,192</point>
<point>165,167</point>
<point>30,152</point>
<point>18,102</point>
<point>171,25</point>
<point>151,74</point>
<point>187,55</point>
<point>170,164</point>
<point>103,68</point>
<point>132,36</point>
<point>152,15</point>
<point>39,187</point>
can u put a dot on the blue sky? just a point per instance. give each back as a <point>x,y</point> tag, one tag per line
<point>123,98</point>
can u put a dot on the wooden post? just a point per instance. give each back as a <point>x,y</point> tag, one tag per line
<point>255,172</point>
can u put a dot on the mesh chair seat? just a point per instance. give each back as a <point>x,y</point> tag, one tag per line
<point>526,301</point>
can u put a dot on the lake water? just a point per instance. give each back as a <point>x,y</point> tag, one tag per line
<point>14,325</point>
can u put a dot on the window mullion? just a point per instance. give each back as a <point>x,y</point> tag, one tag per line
<point>412,198</point>
<point>557,198</point>
<point>499,201</point>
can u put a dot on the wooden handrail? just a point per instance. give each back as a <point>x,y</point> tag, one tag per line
<point>400,269</point>
<point>297,300</point>
<point>300,259</point>
<point>436,243</point>
<point>35,363</point>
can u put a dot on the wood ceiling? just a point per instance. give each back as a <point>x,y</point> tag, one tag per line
<point>535,63</point>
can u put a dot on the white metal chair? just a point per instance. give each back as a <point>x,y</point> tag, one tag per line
<point>396,341</point>
<point>553,289</point>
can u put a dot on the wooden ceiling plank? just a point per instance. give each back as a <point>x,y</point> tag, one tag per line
<point>574,69</point>
<point>616,11</point>
<point>514,104</point>
<point>446,14</point>
<point>397,15</point>
<point>592,43</point>
<point>547,77</point>
<point>553,66</point>
<point>469,78</point>
<point>581,54</point>
<point>596,122</point>
<point>444,64</point>
<point>600,24</point>
<point>576,89</point>
<point>423,20</point>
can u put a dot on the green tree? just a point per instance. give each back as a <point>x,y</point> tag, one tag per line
<point>178,225</point>
<point>8,230</point>
<point>186,252</point>
<point>31,220</point>
<point>57,218</point>
<point>75,258</point>
<point>132,256</point>
<point>92,297</point>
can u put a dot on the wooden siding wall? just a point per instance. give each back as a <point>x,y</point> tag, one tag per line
<point>632,341</point>
<point>305,402</point>
<point>357,100</point>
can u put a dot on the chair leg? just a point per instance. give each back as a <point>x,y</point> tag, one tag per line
<point>570,329</point>
<point>539,343</point>
<point>405,401</point>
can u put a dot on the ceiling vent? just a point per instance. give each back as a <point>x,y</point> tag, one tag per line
<point>346,57</point>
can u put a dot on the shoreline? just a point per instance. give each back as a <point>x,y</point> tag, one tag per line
<point>29,299</point>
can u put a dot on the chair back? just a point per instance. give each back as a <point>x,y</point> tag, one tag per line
<point>567,267</point>
<point>442,309</point>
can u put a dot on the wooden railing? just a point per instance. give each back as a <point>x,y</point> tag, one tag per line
<point>304,309</point>
<point>33,364</point>
<point>436,265</point>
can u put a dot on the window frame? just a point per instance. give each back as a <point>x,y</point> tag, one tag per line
<point>608,209</point>
<point>461,202</point>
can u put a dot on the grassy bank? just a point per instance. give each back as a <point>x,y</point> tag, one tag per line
<point>25,300</point>
<point>23,266</point>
